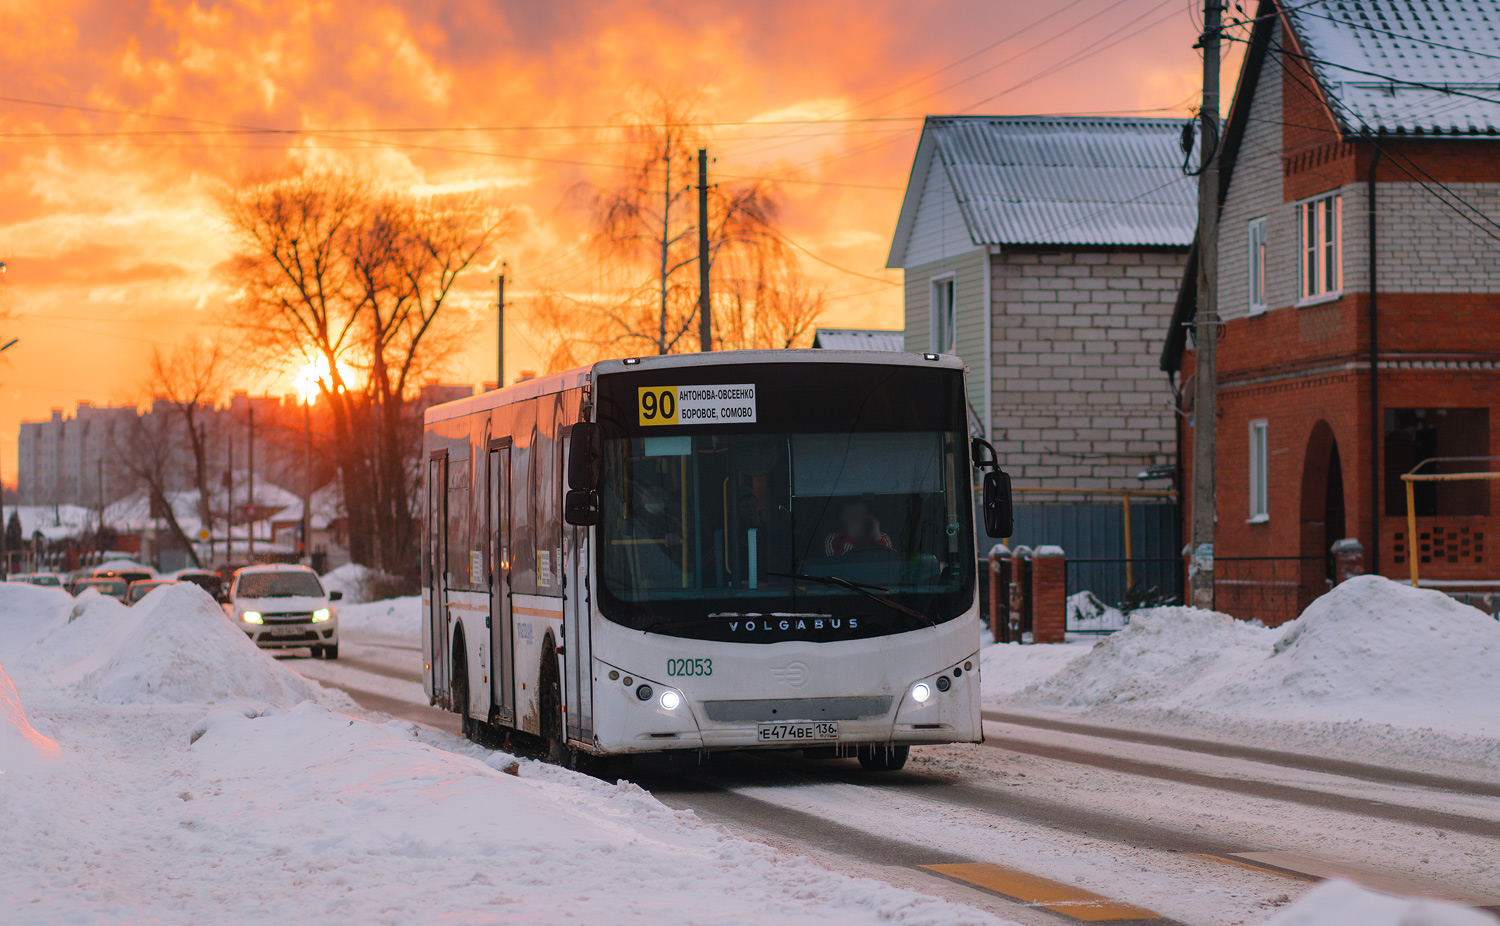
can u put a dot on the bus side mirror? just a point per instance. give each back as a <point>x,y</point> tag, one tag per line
<point>584,458</point>
<point>581,507</point>
<point>999,511</point>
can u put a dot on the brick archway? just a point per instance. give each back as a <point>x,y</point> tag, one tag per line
<point>1322,511</point>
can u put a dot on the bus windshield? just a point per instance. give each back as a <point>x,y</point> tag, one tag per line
<point>762,536</point>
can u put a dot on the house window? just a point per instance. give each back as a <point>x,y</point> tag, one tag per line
<point>1416,434</point>
<point>1260,505</point>
<point>1319,256</point>
<point>943,335</point>
<point>1257,266</point>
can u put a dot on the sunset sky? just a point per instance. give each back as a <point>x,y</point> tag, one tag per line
<point>120,121</point>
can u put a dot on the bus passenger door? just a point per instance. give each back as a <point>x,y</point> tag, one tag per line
<point>437,575</point>
<point>497,529</point>
<point>578,690</point>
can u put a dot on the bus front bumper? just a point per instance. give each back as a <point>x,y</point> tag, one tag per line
<point>941,707</point>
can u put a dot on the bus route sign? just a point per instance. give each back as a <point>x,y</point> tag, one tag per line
<point>717,404</point>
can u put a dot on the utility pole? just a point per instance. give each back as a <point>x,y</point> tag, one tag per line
<point>705,316</point>
<point>1205,371</point>
<point>229,496</point>
<point>307,485</point>
<point>250,462</point>
<point>500,329</point>
<point>99,533</point>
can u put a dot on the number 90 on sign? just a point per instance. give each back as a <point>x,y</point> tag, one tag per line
<point>658,405</point>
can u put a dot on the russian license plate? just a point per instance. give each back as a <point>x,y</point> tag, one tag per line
<point>802,732</point>
<point>287,631</point>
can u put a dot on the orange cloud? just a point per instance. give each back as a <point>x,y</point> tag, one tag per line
<point>113,240</point>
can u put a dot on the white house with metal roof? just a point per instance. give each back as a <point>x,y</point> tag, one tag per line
<point>1046,251</point>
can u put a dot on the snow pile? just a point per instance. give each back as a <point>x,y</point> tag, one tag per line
<point>1086,614</point>
<point>1380,651</point>
<point>1371,651</point>
<point>1340,903</point>
<point>62,634</point>
<point>394,617</point>
<point>1006,668</point>
<point>310,816</point>
<point>1165,658</point>
<point>349,578</point>
<point>25,610</point>
<point>22,749</point>
<point>176,645</point>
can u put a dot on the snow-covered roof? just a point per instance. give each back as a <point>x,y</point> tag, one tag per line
<point>1081,180</point>
<point>859,339</point>
<point>1405,66</point>
<point>55,522</point>
<point>327,506</point>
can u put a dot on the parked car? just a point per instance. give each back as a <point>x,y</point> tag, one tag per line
<point>129,575</point>
<point>144,587</point>
<point>45,579</point>
<point>285,607</point>
<point>205,579</point>
<point>111,587</point>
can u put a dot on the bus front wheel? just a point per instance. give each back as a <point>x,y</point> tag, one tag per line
<point>549,698</point>
<point>883,758</point>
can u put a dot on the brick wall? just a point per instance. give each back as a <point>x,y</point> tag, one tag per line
<point>1078,399</point>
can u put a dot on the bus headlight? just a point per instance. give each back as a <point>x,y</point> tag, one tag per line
<point>920,692</point>
<point>321,615</point>
<point>670,699</point>
<point>251,617</point>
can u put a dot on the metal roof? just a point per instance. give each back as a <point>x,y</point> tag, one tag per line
<point>1408,67</point>
<point>859,339</point>
<point>1084,180</point>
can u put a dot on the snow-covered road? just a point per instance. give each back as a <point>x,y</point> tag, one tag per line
<point>1052,816</point>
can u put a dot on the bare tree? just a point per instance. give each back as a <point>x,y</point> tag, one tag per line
<point>337,272</point>
<point>191,380</point>
<point>646,239</point>
<point>146,456</point>
<point>406,257</point>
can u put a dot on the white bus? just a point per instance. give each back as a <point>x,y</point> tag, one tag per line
<point>731,550</point>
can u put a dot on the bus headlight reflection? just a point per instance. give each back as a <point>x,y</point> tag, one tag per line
<point>670,700</point>
<point>920,692</point>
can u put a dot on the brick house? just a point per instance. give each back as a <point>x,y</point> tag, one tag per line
<point>1046,252</point>
<point>1355,129</point>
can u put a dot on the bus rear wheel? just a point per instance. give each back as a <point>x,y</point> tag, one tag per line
<point>466,724</point>
<point>883,758</point>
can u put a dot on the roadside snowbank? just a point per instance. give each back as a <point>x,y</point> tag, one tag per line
<point>1339,903</point>
<point>394,617</point>
<point>157,807</point>
<point>176,645</point>
<point>22,749</point>
<point>349,579</point>
<point>1373,671</point>
<point>355,802</point>
<point>1371,651</point>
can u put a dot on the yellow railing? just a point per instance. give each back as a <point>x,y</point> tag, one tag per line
<point>1413,544</point>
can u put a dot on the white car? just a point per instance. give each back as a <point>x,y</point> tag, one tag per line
<point>285,607</point>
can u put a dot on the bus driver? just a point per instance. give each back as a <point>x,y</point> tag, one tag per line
<point>859,529</point>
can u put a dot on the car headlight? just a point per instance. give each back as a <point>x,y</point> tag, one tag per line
<point>251,617</point>
<point>322,614</point>
<point>920,692</point>
<point>670,699</point>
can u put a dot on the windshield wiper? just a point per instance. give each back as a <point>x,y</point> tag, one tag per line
<point>869,591</point>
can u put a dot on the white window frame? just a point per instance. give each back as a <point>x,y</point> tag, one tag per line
<point>1320,249</point>
<point>1260,464</point>
<point>1256,266</point>
<point>935,285</point>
